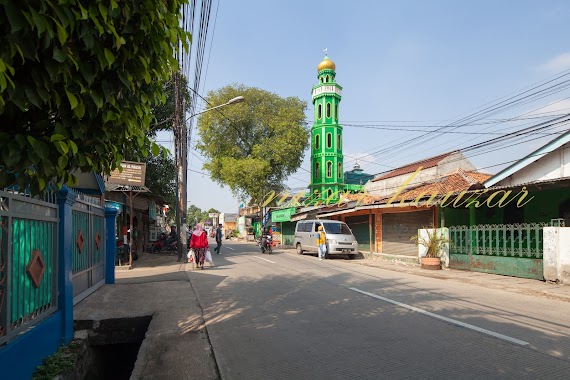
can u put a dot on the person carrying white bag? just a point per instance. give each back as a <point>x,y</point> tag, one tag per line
<point>199,244</point>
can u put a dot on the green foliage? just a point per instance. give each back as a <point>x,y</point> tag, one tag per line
<point>196,215</point>
<point>434,242</point>
<point>164,112</point>
<point>161,176</point>
<point>62,362</point>
<point>78,81</point>
<point>253,146</point>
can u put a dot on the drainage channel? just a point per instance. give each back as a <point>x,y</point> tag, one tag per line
<point>110,346</point>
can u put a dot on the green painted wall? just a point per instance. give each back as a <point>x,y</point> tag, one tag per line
<point>288,233</point>
<point>508,266</point>
<point>544,207</point>
<point>455,216</point>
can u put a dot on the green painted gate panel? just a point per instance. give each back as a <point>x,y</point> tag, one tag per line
<point>27,301</point>
<point>81,257</point>
<point>510,249</point>
<point>88,252</point>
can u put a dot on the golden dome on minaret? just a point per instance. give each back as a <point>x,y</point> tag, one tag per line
<point>325,64</point>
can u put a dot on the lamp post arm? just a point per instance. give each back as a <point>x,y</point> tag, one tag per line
<point>235,100</point>
<point>206,110</point>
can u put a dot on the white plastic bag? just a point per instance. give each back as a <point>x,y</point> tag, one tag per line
<point>209,257</point>
<point>191,257</point>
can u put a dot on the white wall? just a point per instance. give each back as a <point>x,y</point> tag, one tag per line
<point>390,185</point>
<point>556,256</point>
<point>553,165</point>
<point>448,165</point>
<point>444,253</point>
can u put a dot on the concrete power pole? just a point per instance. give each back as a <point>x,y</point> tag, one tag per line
<point>181,137</point>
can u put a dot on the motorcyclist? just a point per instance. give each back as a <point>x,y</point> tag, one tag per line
<point>265,239</point>
<point>173,237</point>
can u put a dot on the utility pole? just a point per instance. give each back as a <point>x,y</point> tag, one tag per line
<point>181,149</point>
<point>180,136</point>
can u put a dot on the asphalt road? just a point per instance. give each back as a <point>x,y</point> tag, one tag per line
<point>285,316</point>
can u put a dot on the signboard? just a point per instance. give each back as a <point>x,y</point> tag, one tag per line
<point>152,210</point>
<point>283,215</point>
<point>133,174</point>
<point>154,233</point>
<point>213,215</point>
<point>230,218</point>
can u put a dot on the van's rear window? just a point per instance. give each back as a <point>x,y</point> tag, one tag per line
<point>337,228</point>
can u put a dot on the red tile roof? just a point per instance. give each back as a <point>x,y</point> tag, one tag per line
<point>410,168</point>
<point>456,182</point>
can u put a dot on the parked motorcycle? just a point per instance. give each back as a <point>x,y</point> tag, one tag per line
<point>122,254</point>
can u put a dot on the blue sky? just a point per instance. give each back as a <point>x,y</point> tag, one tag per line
<point>398,62</point>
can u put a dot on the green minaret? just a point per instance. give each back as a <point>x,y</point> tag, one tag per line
<point>327,175</point>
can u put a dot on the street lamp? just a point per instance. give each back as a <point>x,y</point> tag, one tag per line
<point>182,164</point>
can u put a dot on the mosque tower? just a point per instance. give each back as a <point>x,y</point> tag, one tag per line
<point>327,176</point>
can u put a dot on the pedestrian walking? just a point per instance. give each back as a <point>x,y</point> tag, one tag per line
<point>199,243</point>
<point>321,242</point>
<point>218,239</point>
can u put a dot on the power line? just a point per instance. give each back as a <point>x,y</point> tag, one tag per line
<point>489,109</point>
<point>526,131</point>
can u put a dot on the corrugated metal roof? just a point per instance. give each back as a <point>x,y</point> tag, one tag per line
<point>529,159</point>
<point>134,188</point>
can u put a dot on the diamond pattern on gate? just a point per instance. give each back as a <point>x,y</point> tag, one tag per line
<point>36,268</point>
<point>80,241</point>
<point>97,240</point>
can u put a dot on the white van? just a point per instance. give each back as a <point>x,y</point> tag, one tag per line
<point>340,239</point>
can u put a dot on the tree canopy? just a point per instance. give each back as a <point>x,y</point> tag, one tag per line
<point>196,215</point>
<point>78,82</point>
<point>253,146</point>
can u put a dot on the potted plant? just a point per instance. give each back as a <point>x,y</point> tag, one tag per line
<point>434,242</point>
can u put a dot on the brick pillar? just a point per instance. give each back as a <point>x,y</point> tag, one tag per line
<point>110,244</point>
<point>65,200</point>
<point>378,232</point>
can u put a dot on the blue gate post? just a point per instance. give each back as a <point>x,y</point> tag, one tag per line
<point>111,243</point>
<point>65,200</point>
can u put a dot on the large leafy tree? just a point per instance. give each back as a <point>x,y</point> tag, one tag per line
<point>253,146</point>
<point>78,81</point>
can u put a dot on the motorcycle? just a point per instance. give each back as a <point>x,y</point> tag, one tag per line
<point>266,244</point>
<point>158,245</point>
<point>172,247</point>
<point>122,254</point>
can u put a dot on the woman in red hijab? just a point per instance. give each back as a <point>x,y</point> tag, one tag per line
<point>199,243</point>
